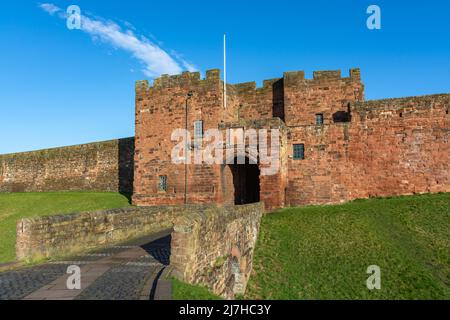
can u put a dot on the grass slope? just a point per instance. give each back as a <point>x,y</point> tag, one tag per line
<point>14,206</point>
<point>184,291</point>
<point>322,252</point>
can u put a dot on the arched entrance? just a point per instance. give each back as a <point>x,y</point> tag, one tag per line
<point>245,182</point>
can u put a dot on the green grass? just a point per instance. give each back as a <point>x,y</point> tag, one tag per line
<point>322,252</point>
<point>15,206</point>
<point>184,291</point>
<point>317,252</point>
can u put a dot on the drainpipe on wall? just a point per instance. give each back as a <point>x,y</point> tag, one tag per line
<point>189,96</point>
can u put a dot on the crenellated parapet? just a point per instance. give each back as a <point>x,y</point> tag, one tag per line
<point>296,99</point>
<point>298,77</point>
<point>183,80</point>
<point>292,98</point>
<point>213,76</point>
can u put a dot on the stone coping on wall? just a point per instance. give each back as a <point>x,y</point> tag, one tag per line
<point>211,245</point>
<point>425,101</point>
<point>97,166</point>
<point>59,235</point>
<point>49,152</point>
<point>64,234</point>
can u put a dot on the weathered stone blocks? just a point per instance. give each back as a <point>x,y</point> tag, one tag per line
<point>214,247</point>
<point>65,234</point>
<point>100,166</point>
<point>211,245</point>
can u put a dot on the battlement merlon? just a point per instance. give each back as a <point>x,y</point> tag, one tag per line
<point>213,76</point>
<point>295,77</point>
<point>298,77</point>
<point>185,79</point>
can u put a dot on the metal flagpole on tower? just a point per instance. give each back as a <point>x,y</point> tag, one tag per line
<point>224,70</point>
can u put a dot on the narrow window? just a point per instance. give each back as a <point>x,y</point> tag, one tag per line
<point>299,151</point>
<point>198,129</point>
<point>319,119</point>
<point>162,183</point>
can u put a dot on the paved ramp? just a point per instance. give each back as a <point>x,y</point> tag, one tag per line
<point>129,271</point>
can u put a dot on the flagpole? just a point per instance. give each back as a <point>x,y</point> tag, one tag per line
<point>225,70</point>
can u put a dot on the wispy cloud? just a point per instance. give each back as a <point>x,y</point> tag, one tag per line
<point>155,60</point>
<point>50,8</point>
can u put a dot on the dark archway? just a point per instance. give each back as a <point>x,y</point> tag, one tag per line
<point>245,182</point>
<point>343,116</point>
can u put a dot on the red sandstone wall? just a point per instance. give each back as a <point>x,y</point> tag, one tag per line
<point>309,180</point>
<point>213,247</point>
<point>387,147</point>
<point>406,145</point>
<point>391,147</point>
<point>297,100</point>
<point>159,110</point>
<point>327,93</point>
<point>100,166</point>
<point>260,103</point>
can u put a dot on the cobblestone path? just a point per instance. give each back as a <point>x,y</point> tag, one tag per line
<point>129,271</point>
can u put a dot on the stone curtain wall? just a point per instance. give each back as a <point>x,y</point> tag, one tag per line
<point>390,147</point>
<point>67,234</point>
<point>403,145</point>
<point>101,166</point>
<point>214,247</point>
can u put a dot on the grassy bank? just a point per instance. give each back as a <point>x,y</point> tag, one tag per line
<point>323,252</point>
<point>316,252</point>
<point>14,206</point>
<point>184,291</point>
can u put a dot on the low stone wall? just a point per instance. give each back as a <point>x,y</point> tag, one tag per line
<point>214,247</point>
<point>211,246</point>
<point>67,234</point>
<point>99,166</point>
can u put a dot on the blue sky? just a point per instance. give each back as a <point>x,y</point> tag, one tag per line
<point>62,87</point>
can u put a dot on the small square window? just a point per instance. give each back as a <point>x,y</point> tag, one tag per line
<point>198,129</point>
<point>319,119</point>
<point>299,151</point>
<point>162,183</point>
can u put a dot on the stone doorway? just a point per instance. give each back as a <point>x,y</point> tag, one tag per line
<point>246,182</point>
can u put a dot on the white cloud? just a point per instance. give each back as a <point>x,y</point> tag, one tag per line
<point>155,60</point>
<point>50,8</point>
